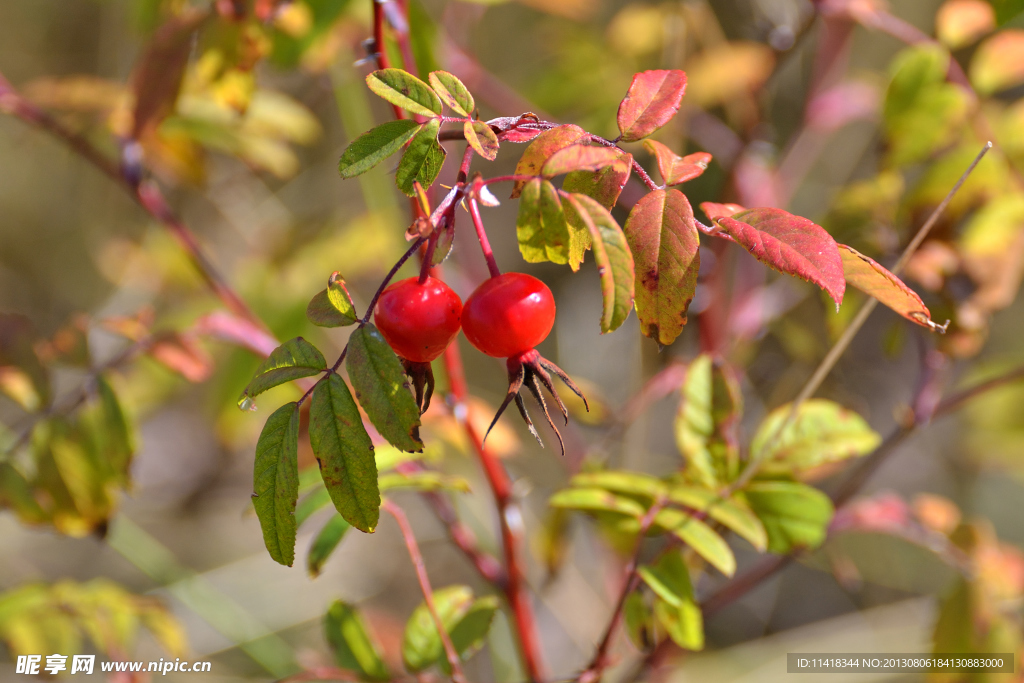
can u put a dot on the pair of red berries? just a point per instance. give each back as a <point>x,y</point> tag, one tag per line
<point>506,317</point>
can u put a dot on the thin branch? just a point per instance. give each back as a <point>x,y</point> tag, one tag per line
<point>509,518</point>
<point>145,193</point>
<point>481,233</point>
<point>600,660</point>
<point>428,593</point>
<point>832,357</point>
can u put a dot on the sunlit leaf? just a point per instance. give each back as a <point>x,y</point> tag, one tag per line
<point>423,481</point>
<point>675,169</point>
<point>579,158</point>
<point>540,225</point>
<point>482,139</point>
<point>294,359</point>
<point>382,389</point>
<point>652,100</point>
<point>597,500</point>
<point>422,160</point>
<point>790,244</point>
<point>376,145</point>
<point>677,609</point>
<point>705,426</point>
<point>731,513</point>
<point>604,185</point>
<point>276,482</point>
<point>470,633</point>
<point>404,90</point>
<point>332,307</point>
<point>998,63</point>
<point>664,241</point>
<point>794,515</point>
<point>353,644</point>
<point>873,279</point>
<point>619,481</point>
<point>704,540</point>
<point>613,258</point>
<point>452,92</point>
<point>345,453</point>
<point>959,23</point>
<point>714,211</point>
<point>325,542</point>
<point>421,644</point>
<point>541,149</point>
<point>821,432</point>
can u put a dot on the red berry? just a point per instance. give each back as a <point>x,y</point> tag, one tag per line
<point>418,320</point>
<point>508,315</point>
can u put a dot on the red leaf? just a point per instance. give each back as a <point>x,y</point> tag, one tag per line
<point>519,135</point>
<point>604,185</point>
<point>183,355</point>
<point>714,211</point>
<point>159,72</point>
<point>580,158</point>
<point>230,328</point>
<point>651,102</point>
<point>675,169</point>
<point>663,238</point>
<point>874,280</point>
<point>790,244</point>
<point>541,149</point>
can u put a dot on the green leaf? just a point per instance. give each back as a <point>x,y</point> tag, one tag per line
<point>376,145</point>
<point>17,494</point>
<point>452,92</point>
<point>596,500</point>
<point>312,502</point>
<point>422,160</point>
<point>733,514</point>
<point>292,360</point>
<point>345,453</point>
<point>325,543</point>
<point>684,625</point>
<point>354,646</point>
<point>482,139</point>
<point>421,644</point>
<point>1005,11</point>
<point>618,481</point>
<point>613,258</point>
<point>541,148</point>
<point>470,632</point>
<point>118,432</point>
<point>663,238</point>
<point>639,621</point>
<point>382,389</point>
<point>540,226</point>
<point>276,482</point>
<point>404,90</point>
<point>821,432</point>
<point>333,306</point>
<point>794,515</point>
<point>705,424</point>
<point>922,112</point>
<point>604,185</point>
<point>699,536</point>
<point>423,481</point>
<point>676,607</point>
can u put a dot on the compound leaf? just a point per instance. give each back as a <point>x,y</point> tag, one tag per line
<point>292,360</point>
<point>345,453</point>
<point>375,145</point>
<point>404,90</point>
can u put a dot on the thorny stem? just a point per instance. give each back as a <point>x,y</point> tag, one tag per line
<point>145,193</point>
<point>428,593</point>
<point>510,521</point>
<point>600,660</point>
<point>481,233</point>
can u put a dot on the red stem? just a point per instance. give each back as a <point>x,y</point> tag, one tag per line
<point>510,520</point>
<point>428,593</point>
<point>481,233</point>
